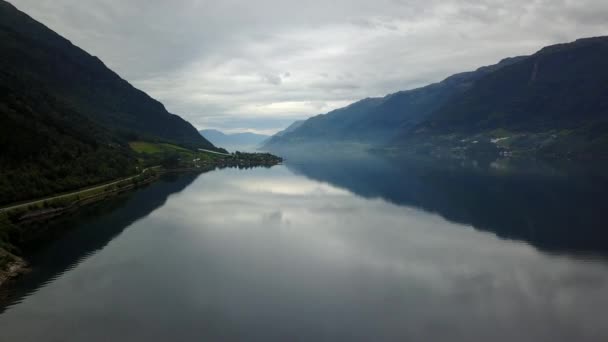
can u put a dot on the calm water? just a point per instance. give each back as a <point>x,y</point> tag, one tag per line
<point>350,250</point>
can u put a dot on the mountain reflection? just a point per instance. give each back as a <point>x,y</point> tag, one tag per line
<point>89,231</point>
<point>555,208</point>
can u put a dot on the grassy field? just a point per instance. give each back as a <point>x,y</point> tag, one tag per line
<point>152,153</point>
<point>154,148</point>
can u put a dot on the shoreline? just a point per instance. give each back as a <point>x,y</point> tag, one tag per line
<point>20,220</point>
<point>17,265</point>
<point>13,270</point>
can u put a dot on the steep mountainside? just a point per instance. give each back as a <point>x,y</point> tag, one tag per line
<point>47,147</point>
<point>66,119</point>
<point>34,54</point>
<point>553,103</point>
<point>558,87</point>
<point>378,120</point>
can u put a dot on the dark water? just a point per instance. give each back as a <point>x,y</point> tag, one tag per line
<point>329,250</point>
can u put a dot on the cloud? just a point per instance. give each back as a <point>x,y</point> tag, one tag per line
<point>272,61</point>
<point>272,79</point>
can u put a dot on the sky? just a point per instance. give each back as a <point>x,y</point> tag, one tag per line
<point>258,65</point>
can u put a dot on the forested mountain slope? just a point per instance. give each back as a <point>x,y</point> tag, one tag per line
<point>552,103</point>
<point>36,55</point>
<point>65,118</point>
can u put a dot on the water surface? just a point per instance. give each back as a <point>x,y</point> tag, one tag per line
<point>326,251</point>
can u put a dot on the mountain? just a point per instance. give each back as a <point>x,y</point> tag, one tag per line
<point>65,118</point>
<point>552,103</point>
<point>555,102</point>
<point>276,138</point>
<point>245,141</point>
<point>36,55</point>
<point>378,120</point>
<point>557,87</point>
<point>48,147</point>
<point>295,125</point>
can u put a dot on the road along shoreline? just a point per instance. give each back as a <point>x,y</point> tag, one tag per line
<point>17,221</point>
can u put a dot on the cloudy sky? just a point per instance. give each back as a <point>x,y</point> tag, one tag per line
<point>258,65</point>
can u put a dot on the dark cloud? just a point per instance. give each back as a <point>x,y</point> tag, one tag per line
<point>266,62</point>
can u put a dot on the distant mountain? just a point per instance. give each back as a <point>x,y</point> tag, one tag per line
<point>65,118</point>
<point>245,141</point>
<point>295,125</point>
<point>378,120</point>
<point>553,103</point>
<point>277,136</point>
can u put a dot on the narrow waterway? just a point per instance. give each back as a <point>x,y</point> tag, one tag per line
<point>321,252</point>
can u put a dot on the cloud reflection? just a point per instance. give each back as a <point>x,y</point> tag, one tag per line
<point>229,259</point>
<point>426,271</point>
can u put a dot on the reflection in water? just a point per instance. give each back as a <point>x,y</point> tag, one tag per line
<point>100,224</point>
<point>561,209</point>
<point>266,255</point>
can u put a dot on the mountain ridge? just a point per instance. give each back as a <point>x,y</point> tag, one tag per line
<point>235,141</point>
<point>377,120</point>
<point>84,82</point>
<point>65,118</point>
<point>553,103</point>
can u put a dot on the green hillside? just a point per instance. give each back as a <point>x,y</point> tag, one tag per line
<point>65,118</point>
<point>48,147</point>
<point>555,103</point>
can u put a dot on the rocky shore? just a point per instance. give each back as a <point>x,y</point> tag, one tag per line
<point>13,267</point>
